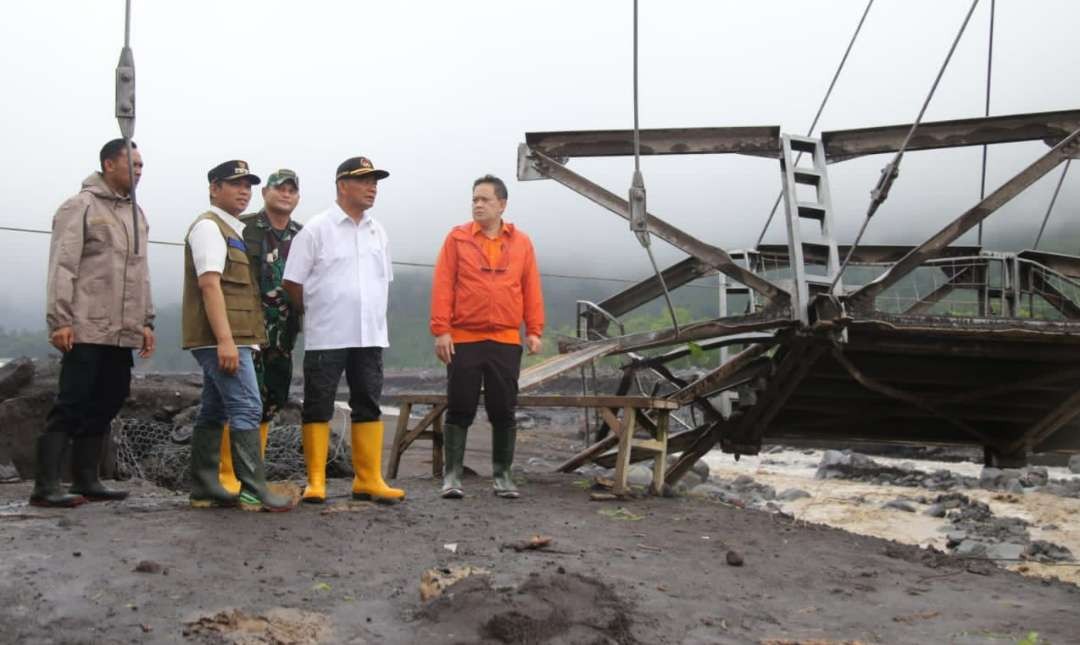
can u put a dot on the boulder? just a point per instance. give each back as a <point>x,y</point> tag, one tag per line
<point>792,494</point>
<point>935,510</point>
<point>900,505</point>
<point>1005,551</point>
<point>971,549</point>
<point>14,376</point>
<point>21,420</point>
<point>639,475</point>
<point>1074,464</point>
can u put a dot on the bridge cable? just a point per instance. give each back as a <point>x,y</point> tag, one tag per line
<point>639,216</point>
<point>892,169</point>
<point>1053,200</point>
<point>821,108</point>
<point>986,111</point>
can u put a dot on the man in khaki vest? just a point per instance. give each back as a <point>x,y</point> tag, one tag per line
<point>223,326</point>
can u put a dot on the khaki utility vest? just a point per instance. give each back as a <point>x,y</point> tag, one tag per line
<point>238,283</point>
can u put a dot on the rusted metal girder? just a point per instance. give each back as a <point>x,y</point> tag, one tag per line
<point>647,290</point>
<point>759,141</point>
<point>694,331</point>
<point>863,299</point>
<point>734,371</point>
<point>1066,265</point>
<point>864,253</point>
<point>711,255</point>
<point>1040,126</point>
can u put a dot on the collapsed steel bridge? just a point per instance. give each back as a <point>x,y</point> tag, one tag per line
<point>925,344</point>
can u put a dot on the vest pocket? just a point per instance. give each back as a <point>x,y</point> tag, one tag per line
<point>240,301</point>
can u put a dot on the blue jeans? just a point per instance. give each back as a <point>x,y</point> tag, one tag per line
<point>232,398</point>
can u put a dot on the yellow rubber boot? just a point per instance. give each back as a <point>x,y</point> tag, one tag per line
<point>368,484</point>
<point>264,433</point>
<point>225,468</point>
<point>316,440</point>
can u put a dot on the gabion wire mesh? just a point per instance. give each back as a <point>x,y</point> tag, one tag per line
<point>161,452</point>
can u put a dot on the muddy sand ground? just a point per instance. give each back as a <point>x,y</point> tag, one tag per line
<point>649,570</point>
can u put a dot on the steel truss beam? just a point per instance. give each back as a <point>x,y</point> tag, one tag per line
<point>1040,126</point>
<point>760,141</point>
<point>647,290</point>
<point>711,255</point>
<point>695,331</point>
<point>863,299</point>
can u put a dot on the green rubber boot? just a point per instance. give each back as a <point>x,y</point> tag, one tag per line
<point>503,441</point>
<point>47,489</point>
<point>206,489</point>
<point>251,471</point>
<point>85,459</point>
<point>454,460</point>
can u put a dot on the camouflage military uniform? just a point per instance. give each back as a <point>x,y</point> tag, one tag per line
<point>273,363</point>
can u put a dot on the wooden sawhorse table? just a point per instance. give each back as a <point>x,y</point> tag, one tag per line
<point>622,431</point>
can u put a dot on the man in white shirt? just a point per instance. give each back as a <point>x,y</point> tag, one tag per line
<point>338,275</point>
<point>222,325</point>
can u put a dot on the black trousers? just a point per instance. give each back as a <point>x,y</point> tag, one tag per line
<point>94,382</point>
<point>493,366</point>
<point>363,367</point>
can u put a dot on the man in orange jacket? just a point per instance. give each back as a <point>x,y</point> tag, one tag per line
<point>486,285</point>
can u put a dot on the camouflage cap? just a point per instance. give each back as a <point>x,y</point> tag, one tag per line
<point>282,175</point>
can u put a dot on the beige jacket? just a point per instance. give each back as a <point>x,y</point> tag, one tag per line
<point>99,284</point>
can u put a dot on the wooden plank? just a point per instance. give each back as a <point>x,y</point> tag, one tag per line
<point>396,449</point>
<point>589,453</point>
<point>660,461</point>
<point>622,462</point>
<point>437,448</point>
<point>558,401</point>
<point>532,376</point>
<point>428,419</point>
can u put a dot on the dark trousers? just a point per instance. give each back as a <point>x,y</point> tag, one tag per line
<point>94,382</point>
<point>363,367</point>
<point>273,368</point>
<point>493,366</point>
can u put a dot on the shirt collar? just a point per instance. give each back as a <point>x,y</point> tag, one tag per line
<point>341,216</point>
<point>229,219</point>
<point>475,229</point>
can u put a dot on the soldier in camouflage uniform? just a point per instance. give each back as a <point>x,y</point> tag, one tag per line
<point>268,235</point>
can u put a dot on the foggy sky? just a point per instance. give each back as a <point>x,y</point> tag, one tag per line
<point>439,93</point>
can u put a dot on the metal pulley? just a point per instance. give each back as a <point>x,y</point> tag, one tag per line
<point>639,223</point>
<point>125,93</point>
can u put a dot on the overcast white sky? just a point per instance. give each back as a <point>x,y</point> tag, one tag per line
<point>442,92</point>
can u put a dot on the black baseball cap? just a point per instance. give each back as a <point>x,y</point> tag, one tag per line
<point>235,169</point>
<point>358,167</point>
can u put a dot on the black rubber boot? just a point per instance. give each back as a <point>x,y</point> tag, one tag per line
<point>48,491</point>
<point>85,459</point>
<point>250,470</point>
<point>503,441</point>
<point>206,488</point>
<point>454,460</point>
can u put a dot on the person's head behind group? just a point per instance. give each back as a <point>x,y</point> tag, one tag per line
<point>114,165</point>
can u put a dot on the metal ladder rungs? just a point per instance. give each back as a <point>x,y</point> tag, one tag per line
<point>811,210</point>
<point>803,144</point>
<point>807,176</point>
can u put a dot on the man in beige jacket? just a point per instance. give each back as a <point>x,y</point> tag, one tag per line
<point>98,310</point>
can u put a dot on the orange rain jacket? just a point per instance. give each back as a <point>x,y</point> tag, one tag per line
<point>471,295</point>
